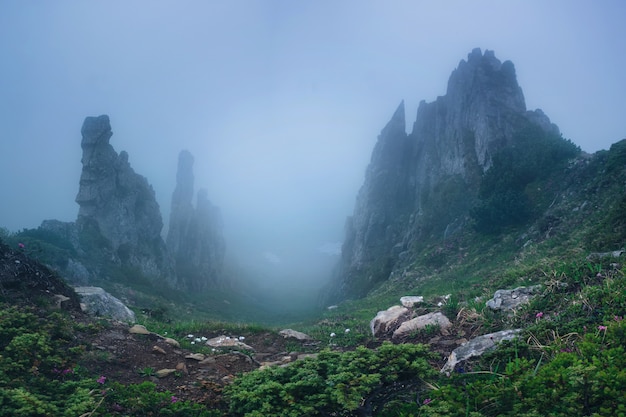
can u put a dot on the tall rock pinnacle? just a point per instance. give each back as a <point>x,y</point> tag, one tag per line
<point>119,204</point>
<point>195,234</point>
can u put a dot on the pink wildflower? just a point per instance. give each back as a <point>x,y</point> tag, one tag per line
<point>602,328</point>
<point>539,315</point>
<point>102,379</point>
<point>174,399</point>
<point>20,245</point>
<point>427,401</point>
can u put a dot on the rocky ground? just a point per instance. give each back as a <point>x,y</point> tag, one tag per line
<point>126,357</point>
<point>113,352</point>
<point>125,354</point>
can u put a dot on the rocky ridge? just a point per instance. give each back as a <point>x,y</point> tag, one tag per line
<point>422,184</point>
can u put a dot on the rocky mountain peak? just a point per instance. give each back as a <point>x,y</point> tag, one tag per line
<point>483,77</point>
<point>424,183</point>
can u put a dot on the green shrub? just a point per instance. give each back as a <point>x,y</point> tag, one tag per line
<point>503,198</point>
<point>359,382</point>
<point>39,375</point>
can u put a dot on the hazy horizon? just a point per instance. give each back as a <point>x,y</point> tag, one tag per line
<point>279,102</point>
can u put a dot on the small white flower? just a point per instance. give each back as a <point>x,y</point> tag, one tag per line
<point>165,333</point>
<point>204,339</point>
<point>241,338</point>
<point>193,343</point>
<point>439,304</point>
<point>190,336</point>
<point>227,337</point>
<point>347,331</point>
<point>197,339</point>
<point>213,350</point>
<point>333,334</point>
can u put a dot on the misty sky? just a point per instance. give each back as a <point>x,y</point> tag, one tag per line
<point>280,102</point>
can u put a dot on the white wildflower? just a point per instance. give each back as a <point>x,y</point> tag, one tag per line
<point>333,334</point>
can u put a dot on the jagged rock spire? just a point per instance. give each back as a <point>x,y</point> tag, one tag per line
<point>119,204</point>
<point>195,233</point>
<point>410,179</point>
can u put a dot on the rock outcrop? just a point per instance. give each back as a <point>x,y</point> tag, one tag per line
<point>118,207</point>
<point>98,302</point>
<point>294,334</point>
<point>477,346</point>
<point>508,300</point>
<point>195,233</point>
<point>437,319</point>
<point>423,184</point>
<point>386,321</point>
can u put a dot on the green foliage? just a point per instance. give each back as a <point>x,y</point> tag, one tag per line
<point>143,400</point>
<point>449,199</point>
<point>589,381</point>
<point>147,371</point>
<point>39,375</point>
<point>358,382</point>
<point>43,245</point>
<point>504,199</point>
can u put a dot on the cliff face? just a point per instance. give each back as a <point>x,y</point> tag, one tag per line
<point>195,234</point>
<point>119,205</point>
<point>423,184</point>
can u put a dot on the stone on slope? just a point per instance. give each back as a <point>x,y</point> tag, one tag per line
<point>508,300</point>
<point>139,329</point>
<point>386,320</point>
<point>98,302</point>
<point>476,347</point>
<point>420,322</point>
<point>227,341</point>
<point>294,334</point>
<point>409,301</point>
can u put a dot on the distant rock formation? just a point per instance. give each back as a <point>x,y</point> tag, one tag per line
<point>195,234</point>
<point>424,183</point>
<point>119,205</point>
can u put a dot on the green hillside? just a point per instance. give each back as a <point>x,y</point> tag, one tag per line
<point>568,360</point>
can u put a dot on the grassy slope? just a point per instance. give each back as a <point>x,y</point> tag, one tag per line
<point>581,210</point>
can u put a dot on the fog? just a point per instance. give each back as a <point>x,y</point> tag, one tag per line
<point>280,102</point>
